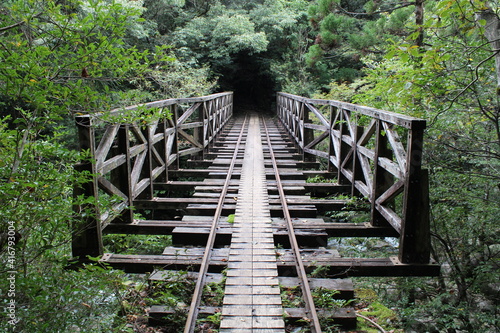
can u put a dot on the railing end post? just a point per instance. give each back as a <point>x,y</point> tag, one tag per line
<point>415,244</point>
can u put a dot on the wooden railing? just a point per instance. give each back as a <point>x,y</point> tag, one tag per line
<point>126,158</point>
<point>378,153</point>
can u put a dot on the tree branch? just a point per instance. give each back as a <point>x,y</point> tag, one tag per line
<point>12,26</point>
<point>2,29</point>
<point>390,10</point>
<point>461,92</point>
<point>372,322</point>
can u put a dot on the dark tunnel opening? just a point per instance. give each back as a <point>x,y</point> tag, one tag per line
<point>250,79</point>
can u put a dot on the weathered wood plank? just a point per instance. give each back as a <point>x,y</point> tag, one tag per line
<point>105,144</point>
<point>345,317</point>
<point>391,117</point>
<point>110,188</point>
<point>396,145</point>
<point>182,258</point>
<point>112,164</point>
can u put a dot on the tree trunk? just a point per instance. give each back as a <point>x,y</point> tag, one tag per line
<point>492,33</point>
<point>419,22</point>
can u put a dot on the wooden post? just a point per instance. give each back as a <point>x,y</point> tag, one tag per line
<point>217,113</point>
<point>282,114</point>
<point>205,119</point>
<point>357,172</point>
<point>344,148</point>
<point>231,105</point>
<point>296,123</point>
<point>175,148</point>
<point>210,121</point>
<point>307,135</point>
<point>414,244</point>
<point>147,168</point>
<point>170,144</point>
<point>161,148</point>
<point>331,167</point>
<point>121,176</point>
<point>86,233</point>
<point>288,105</point>
<point>382,179</point>
<point>199,134</point>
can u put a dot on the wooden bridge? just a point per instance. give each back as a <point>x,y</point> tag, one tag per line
<point>237,194</point>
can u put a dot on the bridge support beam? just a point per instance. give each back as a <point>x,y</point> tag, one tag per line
<point>86,231</point>
<point>308,135</point>
<point>382,179</point>
<point>415,245</point>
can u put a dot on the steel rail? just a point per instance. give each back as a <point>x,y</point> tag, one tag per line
<point>306,289</point>
<point>200,282</point>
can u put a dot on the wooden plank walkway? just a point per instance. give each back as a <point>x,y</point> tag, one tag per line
<point>252,301</point>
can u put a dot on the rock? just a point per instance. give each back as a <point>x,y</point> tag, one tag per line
<point>491,290</point>
<point>379,244</point>
<point>418,325</point>
<point>486,306</point>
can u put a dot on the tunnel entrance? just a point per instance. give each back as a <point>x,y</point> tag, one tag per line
<point>250,79</point>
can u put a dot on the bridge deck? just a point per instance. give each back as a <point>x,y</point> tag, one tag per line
<point>147,169</point>
<point>252,295</point>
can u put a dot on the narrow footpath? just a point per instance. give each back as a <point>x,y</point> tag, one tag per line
<point>252,301</point>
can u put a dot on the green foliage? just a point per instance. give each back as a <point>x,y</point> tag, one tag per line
<point>320,272</point>
<point>220,34</point>
<point>277,17</point>
<point>332,22</point>
<point>52,299</point>
<point>341,91</point>
<point>175,291</point>
<point>451,81</point>
<point>55,62</point>
<point>58,59</point>
<point>320,179</point>
<point>326,299</point>
<point>365,247</point>
<point>291,297</point>
<point>329,38</point>
<point>347,37</point>
<point>381,314</point>
<point>136,244</point>
<point>213,294</point>
<point>66,57</point>
<point>217,37</point>
<point>313,55</point>
<point>175,80</point>
<point>326,6</point>
<point>215,318</point>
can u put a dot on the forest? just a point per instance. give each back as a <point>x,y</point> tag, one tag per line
<point>433,59</point>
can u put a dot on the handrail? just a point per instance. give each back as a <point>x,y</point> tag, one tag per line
<point>161,104</point>
<point>127,158</point>
<point>377,152</point>
<point>387,116</point>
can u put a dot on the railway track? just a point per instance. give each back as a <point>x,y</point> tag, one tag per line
<point>252,295</point>
<point>310,308</point>
<point>242,217</point>
<point>252,298</point>
<point>205,263</point>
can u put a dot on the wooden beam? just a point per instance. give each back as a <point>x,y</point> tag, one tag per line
<point>182,258</point>
<point>86,231</point>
